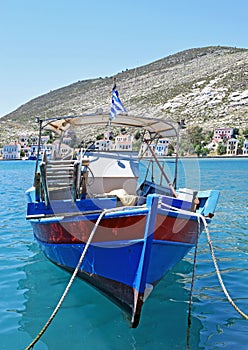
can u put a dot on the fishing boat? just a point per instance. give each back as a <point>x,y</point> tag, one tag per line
<point>94,215</point>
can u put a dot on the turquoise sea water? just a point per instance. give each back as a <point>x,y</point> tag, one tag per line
<point>30,286</point>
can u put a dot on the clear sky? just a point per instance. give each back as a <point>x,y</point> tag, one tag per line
<point>48,44</point>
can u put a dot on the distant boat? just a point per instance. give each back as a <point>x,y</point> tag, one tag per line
<point>32,157</point>
<point>33,152</point>
<point>131,233</point>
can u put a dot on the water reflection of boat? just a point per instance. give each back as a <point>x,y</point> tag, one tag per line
<point>105,329</point>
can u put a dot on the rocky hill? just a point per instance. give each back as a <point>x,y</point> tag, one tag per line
<point>205,86</point>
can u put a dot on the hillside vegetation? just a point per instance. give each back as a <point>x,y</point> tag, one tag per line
<point>205,86</point>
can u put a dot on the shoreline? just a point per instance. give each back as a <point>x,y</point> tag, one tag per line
<point>217,157</point>
<point>242,156</point>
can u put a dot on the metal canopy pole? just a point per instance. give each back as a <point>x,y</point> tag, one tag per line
<point>162,170</point>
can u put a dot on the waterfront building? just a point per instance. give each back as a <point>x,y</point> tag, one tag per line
<point>103,145</point>
<point>34,139</point>
<point>44,139</point>
<point>23,140</point>
<point>245,147</point>
<point>124,142</point>
<point>160,149</point>
<point>222,134</point>
<point>12,151</point>
<point>232,146</point>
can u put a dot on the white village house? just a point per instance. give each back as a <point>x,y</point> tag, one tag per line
<point>245,147</point>
<point>12,151</point>
<point>160,149</point>
<point>103,145</point>
<point>232,146</point>
<point>123,142</point>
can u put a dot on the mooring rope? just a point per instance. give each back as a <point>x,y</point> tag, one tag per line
<point>31,345</point>
<point>245,316</point>
<point>203,219</point>
<point>105,211</point>
<point>199,217</point>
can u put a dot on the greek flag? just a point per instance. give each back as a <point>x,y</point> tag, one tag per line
<point>116,107</point>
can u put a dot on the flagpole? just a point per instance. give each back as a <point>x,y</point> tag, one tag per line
<point>114,87</point>
<point>116,107</point>
<point>108,129</point>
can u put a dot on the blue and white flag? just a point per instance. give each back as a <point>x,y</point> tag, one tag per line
<point>116,107</point>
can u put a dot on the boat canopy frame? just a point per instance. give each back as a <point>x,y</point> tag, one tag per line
<point>156,127</point>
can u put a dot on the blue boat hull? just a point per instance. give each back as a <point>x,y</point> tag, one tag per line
<point>112,268</point>
<point>119,263</point>
<point>130,251</point>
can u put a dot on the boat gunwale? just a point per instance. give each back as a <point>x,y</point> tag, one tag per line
<point>93,215</point>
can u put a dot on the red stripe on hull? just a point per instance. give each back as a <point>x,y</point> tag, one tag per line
<point>168,228</point>
<point>178,229</point>
<point>114,229</point>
